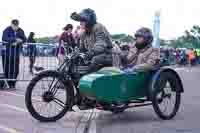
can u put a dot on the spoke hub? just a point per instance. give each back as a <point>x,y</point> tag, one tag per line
<point>48,96</point>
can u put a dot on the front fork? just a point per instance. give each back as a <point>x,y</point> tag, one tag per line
<point>77,96</point>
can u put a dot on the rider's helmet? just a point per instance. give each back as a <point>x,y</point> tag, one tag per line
<point>86,15</point>
<point>146,33</point>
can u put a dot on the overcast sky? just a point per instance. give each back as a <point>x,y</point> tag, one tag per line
<point>48,17</point>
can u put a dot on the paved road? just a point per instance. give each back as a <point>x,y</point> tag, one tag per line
<point>14,117</point>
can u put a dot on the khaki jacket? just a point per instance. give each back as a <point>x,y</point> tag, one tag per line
<point>98,41</point>
<point>144,59</point>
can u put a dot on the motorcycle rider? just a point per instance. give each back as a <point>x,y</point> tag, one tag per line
<point>95,40</point>
<point>142,56</point>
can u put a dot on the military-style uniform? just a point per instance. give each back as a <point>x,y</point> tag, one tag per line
<point>144,59</point>
<point>98,43</point>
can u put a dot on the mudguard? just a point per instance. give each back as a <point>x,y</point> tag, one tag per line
<point>156,75</point>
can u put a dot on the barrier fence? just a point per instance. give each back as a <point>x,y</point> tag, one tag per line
<point>16,61</point>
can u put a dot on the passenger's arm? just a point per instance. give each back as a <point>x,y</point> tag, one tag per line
<point>152,61</point>
<point>132,54</point>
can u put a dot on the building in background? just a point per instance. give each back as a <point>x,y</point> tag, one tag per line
<point>156,30</point>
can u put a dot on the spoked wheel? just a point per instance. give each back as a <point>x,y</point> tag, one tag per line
<point>45,98</point>
<point>165,99</point>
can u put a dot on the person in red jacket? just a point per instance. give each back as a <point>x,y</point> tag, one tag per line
<point>66,41</point>
<point>67,36</point>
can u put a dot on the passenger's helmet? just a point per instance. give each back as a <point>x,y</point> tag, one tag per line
<point>146,33</point>
<point>86,15</point>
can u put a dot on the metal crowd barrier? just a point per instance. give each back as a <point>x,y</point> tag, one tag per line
<point>44,55</point>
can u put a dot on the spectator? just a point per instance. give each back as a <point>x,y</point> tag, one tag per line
<point>32,51</point>
<point>66,40</point>
<point>76,36</point>
<point>67,37</point>
<point>191,57</point>
<point>198,56</point>
<point>14,37</point>
<point>183,57</point>
<point>167,54</point>
<point>195,54</point>
<point>178,59</point>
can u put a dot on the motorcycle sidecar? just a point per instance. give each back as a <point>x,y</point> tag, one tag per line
<point>109,85</point>
<point>155,86</point>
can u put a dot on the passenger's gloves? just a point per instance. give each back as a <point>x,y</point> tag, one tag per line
<point>131,69</point>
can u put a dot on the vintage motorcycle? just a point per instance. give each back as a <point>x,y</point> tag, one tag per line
<point>108,89</point>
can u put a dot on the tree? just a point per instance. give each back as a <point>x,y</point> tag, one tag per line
<point>123,38</point>
<point>47,40</point>
<point>192,37</point>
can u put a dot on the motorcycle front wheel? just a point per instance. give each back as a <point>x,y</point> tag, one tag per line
<point>49,96</point>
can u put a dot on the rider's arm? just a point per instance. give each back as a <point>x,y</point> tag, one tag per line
<point>82,44</point>
<point>102,41</point>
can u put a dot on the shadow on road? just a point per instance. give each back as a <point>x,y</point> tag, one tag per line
<point>138,116</point>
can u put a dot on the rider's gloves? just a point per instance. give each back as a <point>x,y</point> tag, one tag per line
<point>89,55</point>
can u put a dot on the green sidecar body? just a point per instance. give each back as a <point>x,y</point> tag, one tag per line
<point>111,85</point>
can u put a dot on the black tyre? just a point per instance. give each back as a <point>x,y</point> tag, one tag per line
<point>52,94</point>
<point>164,92</point>
<point>117,111</point>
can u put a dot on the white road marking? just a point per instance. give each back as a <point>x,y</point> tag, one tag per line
<point>93,127</point>
<point>9,130</point>
<point>180,69</point>
<point>13,108</point>
<point>14,94</point>
<point>20,95</point>
<point>39,99</point>
<point>185,69</point>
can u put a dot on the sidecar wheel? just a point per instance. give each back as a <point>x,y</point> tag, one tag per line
<point>164,92</point>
